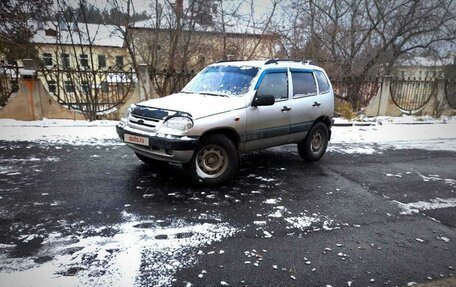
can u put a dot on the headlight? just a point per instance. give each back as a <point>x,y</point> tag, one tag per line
<point>129,110</point>
<point>176,125</point>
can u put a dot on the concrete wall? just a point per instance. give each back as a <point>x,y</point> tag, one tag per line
<point>383,105</point>
<point>32,102</point>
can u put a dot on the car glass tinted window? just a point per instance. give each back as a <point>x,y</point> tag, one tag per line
<point>323,83</point>
<point>275,84</point>
<point>303,84</point>
<point>226,80</point>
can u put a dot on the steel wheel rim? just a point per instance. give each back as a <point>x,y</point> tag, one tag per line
<point>211,161</point>
<point>316,143</point>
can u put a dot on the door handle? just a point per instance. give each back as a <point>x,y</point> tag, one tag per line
<point>285,109</point>
<point>316,104</point>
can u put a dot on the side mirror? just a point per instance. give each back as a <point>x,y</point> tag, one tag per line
<point>265,100</point>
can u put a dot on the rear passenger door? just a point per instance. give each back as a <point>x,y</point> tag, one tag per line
<point>305,102</point>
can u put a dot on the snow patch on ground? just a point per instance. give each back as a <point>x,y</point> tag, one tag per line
<point>60,132</point>
<point>436,177</point>
<point>415,207</point>
<point>378,138</point>
<point>138,247</point>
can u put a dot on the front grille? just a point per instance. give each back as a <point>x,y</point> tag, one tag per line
<point>146,116</point>
<point>149,113</point>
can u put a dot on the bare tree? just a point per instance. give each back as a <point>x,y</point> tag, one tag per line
<point>357,38</point>
<point>77,79</point>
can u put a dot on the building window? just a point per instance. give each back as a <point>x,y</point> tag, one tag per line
<point>84,59</point>
<point>85,87</point>
<point>119,61</point>
<point>52,87</point>
<point>65,58</point>
<point>101,61</point>
<point>47,59</point>
<point>69,87</point>
<point>104,87</point>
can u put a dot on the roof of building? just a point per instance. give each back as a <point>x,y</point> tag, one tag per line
<point>79,33</point>
<point>232,24</point>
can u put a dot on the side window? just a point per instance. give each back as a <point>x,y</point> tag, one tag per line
<point>322,82</point>
<point>303,84</point>
<point>275,84</point>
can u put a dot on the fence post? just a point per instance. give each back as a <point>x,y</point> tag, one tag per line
<point>29,79</point>
<point>384,96</point>
<point>144,82</point>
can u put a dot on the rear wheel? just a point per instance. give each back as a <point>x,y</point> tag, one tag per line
<point>314,145</point>
<point>214,161</point>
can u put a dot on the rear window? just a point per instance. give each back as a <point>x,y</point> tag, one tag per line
<point>303,84</point>
<point>322,82</point>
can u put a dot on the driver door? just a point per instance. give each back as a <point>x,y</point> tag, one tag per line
<point>269,125</point>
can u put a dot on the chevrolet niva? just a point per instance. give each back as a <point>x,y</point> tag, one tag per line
<point>232,107</point>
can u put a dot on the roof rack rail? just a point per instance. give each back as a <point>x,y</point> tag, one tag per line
<point>308,62</point>
<point>223,61</point>
<point>276,61</point>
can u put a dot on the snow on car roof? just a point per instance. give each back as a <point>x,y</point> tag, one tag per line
<point>263,64</point>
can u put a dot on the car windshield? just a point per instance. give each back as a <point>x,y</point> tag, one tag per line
<point>222,80</point>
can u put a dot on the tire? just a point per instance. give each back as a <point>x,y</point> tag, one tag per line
<point>215,161</point>
<point>314,145</point>
<point>150,161</point>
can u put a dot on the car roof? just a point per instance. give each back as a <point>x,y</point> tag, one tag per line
<point>271,64</point>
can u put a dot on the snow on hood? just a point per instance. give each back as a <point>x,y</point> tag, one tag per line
<point>195,104</point>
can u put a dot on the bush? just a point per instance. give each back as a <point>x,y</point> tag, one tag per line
<point>345,110</point>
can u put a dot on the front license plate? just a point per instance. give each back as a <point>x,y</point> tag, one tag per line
<point>136,139</point>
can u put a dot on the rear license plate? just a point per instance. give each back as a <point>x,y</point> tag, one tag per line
<point>136,139</point>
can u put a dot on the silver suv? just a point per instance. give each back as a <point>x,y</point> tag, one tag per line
<point>232,107</point>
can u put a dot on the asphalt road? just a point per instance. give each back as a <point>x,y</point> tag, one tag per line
<point>282,222</point>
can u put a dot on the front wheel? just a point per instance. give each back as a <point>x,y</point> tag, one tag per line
<point>314,145</point>
<point>214,161</point>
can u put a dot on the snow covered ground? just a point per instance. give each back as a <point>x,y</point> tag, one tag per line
<point>115,261</point>
<point>162,249</point>
<point>384,133</point>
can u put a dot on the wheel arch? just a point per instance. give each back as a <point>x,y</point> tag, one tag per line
<point>230,133</point>
<point>327,121</point>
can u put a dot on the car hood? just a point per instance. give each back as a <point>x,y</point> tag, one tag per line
<point>197,105</point>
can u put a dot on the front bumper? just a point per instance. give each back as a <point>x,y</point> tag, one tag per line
<point>161,147</point>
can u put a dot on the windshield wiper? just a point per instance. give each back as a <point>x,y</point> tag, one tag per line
<point>213,94</point>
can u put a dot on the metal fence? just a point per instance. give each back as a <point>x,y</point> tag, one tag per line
<point>357,91</point>
<point>167,82</point>
<point>450,92</point>
<point>412,94</point>
<point>91,92</point>
<point>9,75</point>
